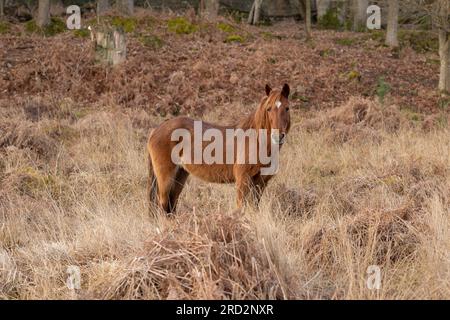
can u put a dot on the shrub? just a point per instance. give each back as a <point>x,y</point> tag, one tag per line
<point>330,20</point>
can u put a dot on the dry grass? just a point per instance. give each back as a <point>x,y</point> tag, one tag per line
<point>73,193</point>
<point>360,183</point>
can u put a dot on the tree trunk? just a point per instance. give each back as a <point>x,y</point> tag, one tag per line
<point>308,18</point>
<point>344,12</point>
<point>257,16</point>
<point>392,26</point>
<point>444,54</point>
<point>2,8</point>
<point>359,14</point>
<point>43,17</point>
<point>322,7</point>
<point>126,7</point>
<point>102,6</point>
<point>255,12</point>
<point>210,8</point>
<point>251,14</point>
<point>444,45</point>
<point>57,8</point>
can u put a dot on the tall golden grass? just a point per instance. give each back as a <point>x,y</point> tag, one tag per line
<point>72,193</point>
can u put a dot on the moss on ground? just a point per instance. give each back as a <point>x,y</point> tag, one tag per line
<point>225,27</point>
<point>235,38</point>
<point>345,41</point>
<point>420,41</point>
<point>127,24</point>
<point>151,41</point>
<point>34,182</point>
<point>55,26</point>
<point>412,115</point>
<point>4,27</point>
<point>81,33</point>
<point>180,25</point>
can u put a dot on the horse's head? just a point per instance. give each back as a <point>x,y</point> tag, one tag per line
<point>276,107</point>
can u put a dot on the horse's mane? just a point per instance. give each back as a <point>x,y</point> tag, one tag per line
<point>257,119</point>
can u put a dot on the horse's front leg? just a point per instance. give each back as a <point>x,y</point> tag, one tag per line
<point>243,185</point>
<point>259,183</point>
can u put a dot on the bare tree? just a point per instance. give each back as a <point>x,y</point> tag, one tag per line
<point>2,8</point>
<point>102,6</point>
<point>43,17</point>
<point>392,26</point>
<point>439,11</point>
<point>308,18</point>
<point>255,12</point>
<point>359,13</point>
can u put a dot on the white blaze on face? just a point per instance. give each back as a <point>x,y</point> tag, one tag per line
<point>278,104</point>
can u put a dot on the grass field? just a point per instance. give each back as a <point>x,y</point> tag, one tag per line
<point>362,182</point>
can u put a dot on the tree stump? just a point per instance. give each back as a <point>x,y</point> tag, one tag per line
<point>110,46</point>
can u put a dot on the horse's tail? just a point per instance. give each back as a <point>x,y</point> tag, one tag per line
<point>152,188</point>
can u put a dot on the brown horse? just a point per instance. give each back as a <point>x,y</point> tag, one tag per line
<point>166,178</point>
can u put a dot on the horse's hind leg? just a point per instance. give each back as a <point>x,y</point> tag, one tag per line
<point>178,184</point>
<point>152,191</point>
<point>171,181</point>
<point>165,175</point>
<point>164,187</point>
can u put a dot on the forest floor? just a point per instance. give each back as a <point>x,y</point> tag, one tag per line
<point>364,177</point>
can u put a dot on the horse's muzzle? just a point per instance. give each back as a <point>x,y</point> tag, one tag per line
<point>278,138</point>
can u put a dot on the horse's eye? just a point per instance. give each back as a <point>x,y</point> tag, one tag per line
<point>269,108</point>
<point>287,108</point>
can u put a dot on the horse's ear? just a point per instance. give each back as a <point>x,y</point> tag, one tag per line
<point>268,89</point>
<point>285,91</point>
